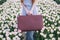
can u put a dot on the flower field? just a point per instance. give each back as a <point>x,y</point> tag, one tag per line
<point>9,11</point>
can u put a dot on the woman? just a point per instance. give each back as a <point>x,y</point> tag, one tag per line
<point>29,8</point>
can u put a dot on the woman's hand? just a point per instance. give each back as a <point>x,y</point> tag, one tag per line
<point>29,13</point>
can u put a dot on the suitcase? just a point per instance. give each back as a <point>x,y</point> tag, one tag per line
<point>30,22</point>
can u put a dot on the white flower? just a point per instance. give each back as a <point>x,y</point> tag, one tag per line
<point>1,36</point>
<point>43,23</point>
<point>46,17</point>
<point>50,35</point>
<point>17,38</point>
<point>43,29</point>
<point>37,31</point>
<point>58,32</point>
<point>8,30</point>
<point>41,34</point>
<point>46,39</point>
<point>14,38</point>
<point>15,26</point>
<point>2,28</point>
<point>55,23</point>
<point>58,38</point>
<point>6,25</point>
<point>0,19</point>
<point>3,18</point>
<point>43,19</point>
<point>53,20</point>
<point>4,31</point>
<point>59,21</point>
<point>53,39</point>
<point>58,17</point>
<point>15,30</point>
<point>10,33</point>
<point>49,27</point>
<point>59,28</point>
<point>20,34</point>
<point>52,26</point>
<point>48,24</point>
<point>14,33</point>
<point>0,31</point>
<point>7,34</point>
<point>52,30</point>
<point>44,35</point>
<point>8,38</point>
<point>10,23</point>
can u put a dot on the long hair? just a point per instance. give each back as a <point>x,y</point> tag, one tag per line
<point>22,1</point>
<point>32,1</point>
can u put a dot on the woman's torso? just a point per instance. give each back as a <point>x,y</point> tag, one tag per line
<point>28,4</point>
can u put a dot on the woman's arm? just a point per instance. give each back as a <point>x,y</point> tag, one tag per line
<point>24,6</point>
<point>34,3</point>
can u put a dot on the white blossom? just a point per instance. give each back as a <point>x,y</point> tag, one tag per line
<point>14,38</point>
<point>1,36</point>
<point>53,39</point>
<point>59,28</point>
<point>44,35</point>
<point>50,35</point>
<point>59,21</point>
<point>43,29</point>
<point>20,34</point>
<point>52,30</point>
<point>50,10</point>
<point>46,39</point>
<point>7,33</point>
<point>8,38</point>
<point>3,39</point>
<point>58,38</point>
<point>58,32</point>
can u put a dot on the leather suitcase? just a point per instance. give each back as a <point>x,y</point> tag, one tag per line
<point>30,22</point>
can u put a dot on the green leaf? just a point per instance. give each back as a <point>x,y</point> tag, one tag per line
<point>57,1</point>
<point>2,1</point>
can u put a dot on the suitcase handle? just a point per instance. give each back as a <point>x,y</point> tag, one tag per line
<point>27,14</point>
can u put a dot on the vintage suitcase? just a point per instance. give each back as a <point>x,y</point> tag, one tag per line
<point>30,22</point>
